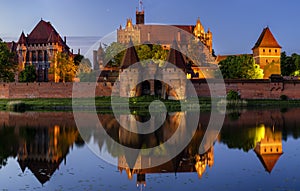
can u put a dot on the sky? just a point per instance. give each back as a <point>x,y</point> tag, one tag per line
<point>235,24</point>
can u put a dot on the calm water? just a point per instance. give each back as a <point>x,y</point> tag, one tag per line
<point>255,150</point>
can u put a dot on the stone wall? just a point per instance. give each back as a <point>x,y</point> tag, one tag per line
<point>53,90</point>
<point>248,89</point>
<point>251,89</point>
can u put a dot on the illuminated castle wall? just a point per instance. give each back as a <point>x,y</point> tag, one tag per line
<point>142,33</point>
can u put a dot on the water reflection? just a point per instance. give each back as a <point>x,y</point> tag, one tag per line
<point>269,146</point>
<point>41,142</point>
<point>36,142</point>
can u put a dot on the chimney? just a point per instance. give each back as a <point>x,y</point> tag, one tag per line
<point>72,50</point>
<point>79,51</point>
<point>65,39</point>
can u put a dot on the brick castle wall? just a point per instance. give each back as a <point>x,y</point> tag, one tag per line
<point>248,89</point>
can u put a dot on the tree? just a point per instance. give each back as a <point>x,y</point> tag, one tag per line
<point>152,51</point>
<point>28,74</point>
<point>114,54</point>
<point>240,67</point>
<point>290,65</point>
<point>64,67</point>
<point>77,59</point>
<point>85,72</point>
<point>8,66</point>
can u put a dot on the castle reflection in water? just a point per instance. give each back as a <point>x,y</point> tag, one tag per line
<point>41,141</point>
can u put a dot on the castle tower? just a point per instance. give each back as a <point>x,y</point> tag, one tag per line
<point>209,40</point>
<point>204,37</point>
<point>140,14</point>
<point>199,29</point>
<point>22,51</point>
<point>174,68</point>
<point>267,52</point>
<point>130,77</point>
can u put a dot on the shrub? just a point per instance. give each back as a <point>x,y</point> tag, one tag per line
<point>284,97</point>
<point>233,95</point>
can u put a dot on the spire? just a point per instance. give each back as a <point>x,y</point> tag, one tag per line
<point>175,57</point>
<point>130,56</point>
<point>140,14</point>
<point>141,6</point>
<point>22,39</point>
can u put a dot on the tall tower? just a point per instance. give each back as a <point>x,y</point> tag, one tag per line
<point>140,14</point>
<point>267,52</point>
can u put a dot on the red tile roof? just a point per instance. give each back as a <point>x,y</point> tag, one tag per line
<point>130,56</point>
<point>43,33</point>
<point>175,57</point>
<point>40,33</point>
<point>187,28</point>
<point>22,39</point>
<point>266,39</point>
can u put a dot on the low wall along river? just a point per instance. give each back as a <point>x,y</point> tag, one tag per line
<point>248,89</point>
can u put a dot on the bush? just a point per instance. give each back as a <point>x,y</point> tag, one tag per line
<point>17,106</point>
<point>233,95</point>
<point>284,97</point>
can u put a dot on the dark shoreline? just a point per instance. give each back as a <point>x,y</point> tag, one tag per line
<point>141,104</point>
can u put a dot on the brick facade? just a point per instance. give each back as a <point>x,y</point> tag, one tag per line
<point>248,89</point>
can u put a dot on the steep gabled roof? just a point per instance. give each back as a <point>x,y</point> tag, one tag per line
<point>40,33</point>
<point>44,33</point>
<point>12,46</point>
<point>130,56</point>
<point>175,57</point>
<point>267,40</point>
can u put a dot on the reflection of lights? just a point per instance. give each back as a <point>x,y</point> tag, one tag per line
<point>189,76</point>
<point>259,133</point>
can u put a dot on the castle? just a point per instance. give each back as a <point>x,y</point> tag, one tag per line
<point>141,33</point>
<point>38,49</point>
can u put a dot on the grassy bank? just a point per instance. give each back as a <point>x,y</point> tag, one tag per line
<point>140,104</point>
<point>103,104</point>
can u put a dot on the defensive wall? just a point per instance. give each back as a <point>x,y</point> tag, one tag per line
<point>248,89</point>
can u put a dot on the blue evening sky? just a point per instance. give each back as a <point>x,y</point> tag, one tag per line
<point>236,24</point>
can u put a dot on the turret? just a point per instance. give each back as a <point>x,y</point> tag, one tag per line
<point>140,14</point>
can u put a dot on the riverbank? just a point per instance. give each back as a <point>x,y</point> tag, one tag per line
<point>140,104</point>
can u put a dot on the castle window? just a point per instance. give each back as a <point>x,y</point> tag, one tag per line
<point>275,50</point>
<point>269,50</point>
<point>267,61</point>
<point>264,50</point>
